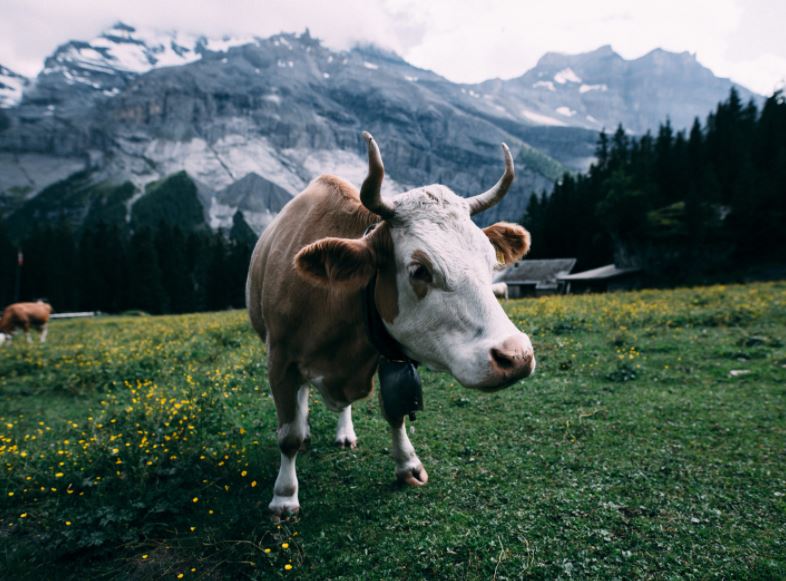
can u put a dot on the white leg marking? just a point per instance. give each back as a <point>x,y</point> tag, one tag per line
<point>345,433</point>
<point>409,468</point>
<point>28,337</point>
<point>285,499</point>
<point>44,332</point>
<point>285,490</point>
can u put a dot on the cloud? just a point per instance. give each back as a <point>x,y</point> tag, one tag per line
<point>467,40</point>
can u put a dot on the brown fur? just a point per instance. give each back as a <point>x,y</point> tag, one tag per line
<point>511,241</point>
<point>25,315</point>
<point>313,328</point>
<point>421,286</point>
<point>348,263</point>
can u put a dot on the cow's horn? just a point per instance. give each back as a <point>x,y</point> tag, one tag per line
<point>491,197</point>
<point>371,190</point>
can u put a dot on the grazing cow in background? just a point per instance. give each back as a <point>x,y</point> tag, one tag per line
<point>419,262</point>
<point>500,290</point>
<point>22,316</point>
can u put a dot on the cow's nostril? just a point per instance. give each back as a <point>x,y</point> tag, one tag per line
<point>501,359</point>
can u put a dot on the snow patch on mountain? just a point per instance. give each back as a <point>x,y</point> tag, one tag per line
<point>127,49</point>
<point>566,76</point>
<point>540,119</point>
<point>12,86</point>
<point>227,42</point>
<point>544,85</point>
<point>587,88</point>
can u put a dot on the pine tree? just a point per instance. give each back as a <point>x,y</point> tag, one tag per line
<point>145,290</point>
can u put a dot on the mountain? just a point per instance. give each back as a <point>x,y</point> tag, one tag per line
<point>105,65</point>
<point>285,108</point>
<point>600,89</point>
<point>12,85</point>
<point>251,121</point>
<point>257,198</point>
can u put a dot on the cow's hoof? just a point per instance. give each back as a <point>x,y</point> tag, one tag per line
<point>416,476</point>
<point>284,506</point>
<point>347,442</point>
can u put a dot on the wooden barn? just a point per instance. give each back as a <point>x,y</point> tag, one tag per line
<point>601,279</point>
<point>535,277</point>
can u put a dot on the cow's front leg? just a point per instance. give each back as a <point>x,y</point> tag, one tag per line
<point>44,333</point>
<point>292,433</point>
<point>409,468</point>
<point>345,432</point>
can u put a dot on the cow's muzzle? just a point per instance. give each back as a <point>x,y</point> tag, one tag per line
<point>509,361</point>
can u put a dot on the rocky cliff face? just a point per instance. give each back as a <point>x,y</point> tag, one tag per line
<point>12,86</point>
<point>252,121</point>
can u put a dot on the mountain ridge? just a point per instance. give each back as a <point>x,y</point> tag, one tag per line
<point>137,106</point>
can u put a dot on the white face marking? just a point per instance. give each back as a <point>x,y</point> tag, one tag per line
<point>457,323</point>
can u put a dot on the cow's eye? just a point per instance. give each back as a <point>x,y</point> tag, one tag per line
<point>420,273</point>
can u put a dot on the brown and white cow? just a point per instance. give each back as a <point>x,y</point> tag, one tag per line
<point>23,316</point>
<point>432,268</point>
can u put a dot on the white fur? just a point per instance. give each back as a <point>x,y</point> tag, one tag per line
<point>44,333</point>
<point>345,432</point>
<point>285,490</point>
<point>403,452</point>
<point>458,322</point>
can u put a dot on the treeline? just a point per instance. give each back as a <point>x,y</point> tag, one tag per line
<point>107,268</point>
<point>676,204</point>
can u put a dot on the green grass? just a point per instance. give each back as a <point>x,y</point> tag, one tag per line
<point>633,452</point>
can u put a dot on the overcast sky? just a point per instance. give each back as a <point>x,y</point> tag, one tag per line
<point>463,40</point>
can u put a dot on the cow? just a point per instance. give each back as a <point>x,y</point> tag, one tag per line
<point>427,269</point>
<point>500,290</point>
<point>23,316</point>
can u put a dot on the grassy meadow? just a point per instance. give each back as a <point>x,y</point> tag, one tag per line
<point>651,443</point>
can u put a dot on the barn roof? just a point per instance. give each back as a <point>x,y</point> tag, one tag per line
<point>538,272</point>
<point>603,272</point>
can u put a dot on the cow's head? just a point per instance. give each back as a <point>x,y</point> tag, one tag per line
<point>434,271</point>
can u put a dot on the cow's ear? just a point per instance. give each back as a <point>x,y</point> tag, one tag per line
<point>337,261</point>
<point>510,241</point>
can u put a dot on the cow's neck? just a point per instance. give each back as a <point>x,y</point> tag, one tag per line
<point>378,335</point>
<point>399,382</point>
